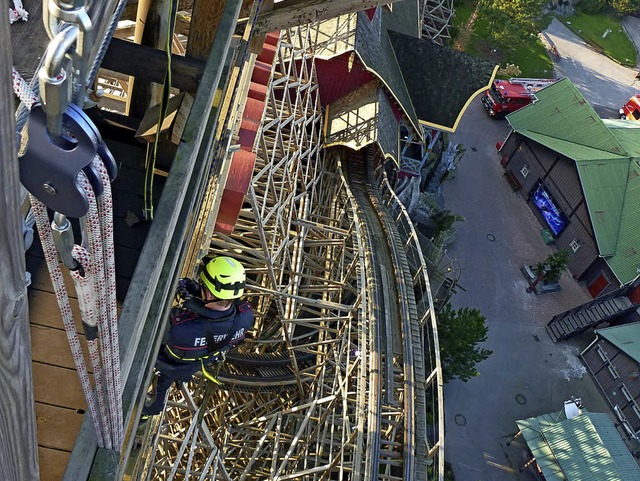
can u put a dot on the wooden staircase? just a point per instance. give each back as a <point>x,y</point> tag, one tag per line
<point>587,316</point>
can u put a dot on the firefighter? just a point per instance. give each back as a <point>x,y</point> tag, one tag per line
<point>208,321</point>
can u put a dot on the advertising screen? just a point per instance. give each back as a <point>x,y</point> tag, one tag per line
<point>553,216</point>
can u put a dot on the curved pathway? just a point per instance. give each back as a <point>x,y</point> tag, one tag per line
<point>632,26</point>
<point>603,82</point>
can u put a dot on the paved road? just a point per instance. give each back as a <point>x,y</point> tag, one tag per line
<point>527,374</point>
<point>632,26</point>
<point>603,82</point>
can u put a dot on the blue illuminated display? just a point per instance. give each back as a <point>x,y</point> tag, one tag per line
<point>554,218</point>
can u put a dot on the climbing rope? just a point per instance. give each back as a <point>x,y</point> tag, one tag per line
<point>91,265</point>
<point>22,89</point>
<point>55,272</point>
<point>98,228</point>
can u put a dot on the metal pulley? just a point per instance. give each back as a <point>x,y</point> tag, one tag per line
<point>62,140</point>
<point>49,167</point>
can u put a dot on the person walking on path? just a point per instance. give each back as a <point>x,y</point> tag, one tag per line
<point>209,321</point>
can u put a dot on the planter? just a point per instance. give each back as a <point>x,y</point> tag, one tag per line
<point>541,287</point>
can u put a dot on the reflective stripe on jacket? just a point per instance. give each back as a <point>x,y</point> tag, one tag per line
<point>197,332</point>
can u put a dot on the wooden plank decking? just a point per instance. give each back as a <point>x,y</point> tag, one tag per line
<point>29,40</point>
<point>60,403</point>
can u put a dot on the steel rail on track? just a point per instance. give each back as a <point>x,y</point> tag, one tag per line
<point>418,270</point>
<point>357,186</point>
<point>390,277</point>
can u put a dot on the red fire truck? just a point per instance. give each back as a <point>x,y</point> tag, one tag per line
<point>631,110</point>
<point>506,96</point>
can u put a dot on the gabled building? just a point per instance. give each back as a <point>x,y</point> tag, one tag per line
<point>375,74</point>
<point>582,447</point>
<point>581,177</point>
<point>613,360</point>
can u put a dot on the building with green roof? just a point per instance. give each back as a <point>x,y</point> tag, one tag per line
<point>581,176</point>
<point>613,360</point>
<point>586,447</point>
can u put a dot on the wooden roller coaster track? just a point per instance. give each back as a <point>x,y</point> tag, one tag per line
<point>342,378</point>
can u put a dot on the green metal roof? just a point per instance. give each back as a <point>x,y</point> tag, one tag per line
<point>625,337</point>
<point>562,112</point>
<point>604,183</point>
<point>585,448</point>
<point>532,432</point>
<point>626,260</point>
<point>607,156</point>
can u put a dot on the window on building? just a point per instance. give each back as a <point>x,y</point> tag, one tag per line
<point>525,171</point>
<point>625,392</point>
<point>602,354</point>
<point>614,374</point>
<point>575,245</point>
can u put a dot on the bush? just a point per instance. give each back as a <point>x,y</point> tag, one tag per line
<point>625,7</point>
<point>592,7</point>
<point>553,266</point>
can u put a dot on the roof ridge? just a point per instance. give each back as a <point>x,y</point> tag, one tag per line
<point>568,117</point>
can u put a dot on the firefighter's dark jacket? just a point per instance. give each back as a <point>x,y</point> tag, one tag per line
<point>197,332</point>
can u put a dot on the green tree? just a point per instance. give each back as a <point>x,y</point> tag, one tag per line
<point>552,267</point>
<point>459,333</point>
<point>625,7</point>
<point>592,7</point>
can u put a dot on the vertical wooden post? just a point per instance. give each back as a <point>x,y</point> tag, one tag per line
<point>18,441</point>
<point>205,19</point>
<point>141,20</point>
<point>156,29</point>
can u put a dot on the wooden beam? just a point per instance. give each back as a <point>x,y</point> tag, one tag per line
<point>126,57</point>
<point>151,289</point>
<point>300,12</point>
<point>156,29</point>
<point>18,443</point>
<point>205,19</point>
<point>256,44</point>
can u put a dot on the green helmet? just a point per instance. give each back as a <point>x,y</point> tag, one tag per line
<point>224,277</point>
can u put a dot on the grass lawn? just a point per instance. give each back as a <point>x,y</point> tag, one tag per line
<point>462,14</point>
<point>528,54</point>
<point>615,45</point>
<point>533,60</point>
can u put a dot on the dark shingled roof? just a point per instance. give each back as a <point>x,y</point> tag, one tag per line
<point>376,52</point>
<point>403,18</point>
<point>440,80</point>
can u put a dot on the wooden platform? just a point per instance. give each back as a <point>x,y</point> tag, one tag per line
<point>60,403</point>
<point>29,40</point>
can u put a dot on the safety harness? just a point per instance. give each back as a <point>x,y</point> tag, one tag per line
<point>216,351</point>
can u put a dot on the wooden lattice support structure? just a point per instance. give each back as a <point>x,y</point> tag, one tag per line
<point>301,410</point>
<point>436,19</point>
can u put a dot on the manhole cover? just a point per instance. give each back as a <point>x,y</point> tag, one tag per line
<point>460,420</point>
<point>491,237</point>
<point>520,399</point>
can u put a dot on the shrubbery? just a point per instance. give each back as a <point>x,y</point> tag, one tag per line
<point>620,7</point>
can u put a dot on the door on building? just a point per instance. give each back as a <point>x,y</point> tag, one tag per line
<point>598,285</point>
